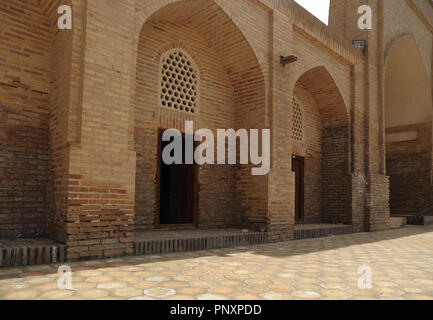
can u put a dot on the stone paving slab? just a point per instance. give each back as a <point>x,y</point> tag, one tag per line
<point>401,264</point>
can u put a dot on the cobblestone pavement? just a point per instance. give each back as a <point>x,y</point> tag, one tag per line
<point>401,262</point>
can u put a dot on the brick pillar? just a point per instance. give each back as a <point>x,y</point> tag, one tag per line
<point>281,180</point>
<point>358,147</point>
<point>344,21</point>
<point>100,198</point>
<point>378,183</point>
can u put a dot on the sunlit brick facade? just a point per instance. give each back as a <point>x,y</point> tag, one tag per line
<point>81,110</point>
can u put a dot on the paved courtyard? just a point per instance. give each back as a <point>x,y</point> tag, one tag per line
<point>401,262</point>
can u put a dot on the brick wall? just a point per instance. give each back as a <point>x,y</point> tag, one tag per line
<point>62,52</point>
<point>378,217</point>
<point>408,165</point>
<point>25,91</point>
<point>101,174</point>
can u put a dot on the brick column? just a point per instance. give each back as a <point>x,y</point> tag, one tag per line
<point>344,21</point>
<point>378,183</point>
<point>100,199</point>
<point>358,148</point>
<point>281,180</point>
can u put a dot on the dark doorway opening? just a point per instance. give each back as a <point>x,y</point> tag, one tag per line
<point>177,190</point>
<point>298,169</point>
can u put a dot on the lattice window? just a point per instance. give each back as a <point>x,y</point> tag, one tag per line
<point>179,82</point>
<point>297,120</point>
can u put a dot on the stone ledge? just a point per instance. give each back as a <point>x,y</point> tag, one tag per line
<point>320,231</point>
<point>195,243</point>
<point>24,252</point>
<point>419,220</point>
<point>398,222</point>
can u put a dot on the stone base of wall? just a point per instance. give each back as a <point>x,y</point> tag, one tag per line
<point>378,203</point>
<point>419,220</point>
<point>23,252</point>
<point>321,231</point>
<point>398,222</point>
<point>278,233</point>
<point>181,242</point>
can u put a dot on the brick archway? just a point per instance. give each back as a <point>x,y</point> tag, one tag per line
<point>318,91</point>
<point>408,128</point>
<point>232,95</point>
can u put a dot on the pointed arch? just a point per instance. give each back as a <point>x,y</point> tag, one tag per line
<point>332,160</point>
<point>408,128</point>
<point>232,95</point>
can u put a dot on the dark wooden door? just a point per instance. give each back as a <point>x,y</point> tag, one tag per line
<point>177,194</point>
<point>298,168</point>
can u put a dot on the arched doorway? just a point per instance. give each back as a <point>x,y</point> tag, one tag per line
<point>320,138</point>
<point>228,92</point>
<point>408,122</point>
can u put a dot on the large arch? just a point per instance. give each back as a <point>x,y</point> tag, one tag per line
<point>325,149</point>
<point>408,123</point>
<point>232,95</point>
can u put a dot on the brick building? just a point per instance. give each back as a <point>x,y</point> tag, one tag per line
<point>81,112</point>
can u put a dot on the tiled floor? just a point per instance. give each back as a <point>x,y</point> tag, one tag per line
<point>401,262</point>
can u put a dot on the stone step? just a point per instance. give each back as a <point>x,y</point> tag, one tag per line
<point>161,246</point>
<point>398,222</point>
<point>22,252</point>
<point>312,232</point>
<point>419,220</point>
<point>428,220</point>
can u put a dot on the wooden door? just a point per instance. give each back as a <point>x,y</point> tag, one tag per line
<point>177,190</point>
<point>298,168</point>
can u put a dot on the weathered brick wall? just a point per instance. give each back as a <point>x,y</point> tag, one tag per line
<point>25,91</point>
<point>101,180</point>
<point>408,165</point>
<point>378,217</point>
<point>62,52</point>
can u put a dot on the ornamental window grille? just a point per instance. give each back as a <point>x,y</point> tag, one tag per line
<point>179,89</point>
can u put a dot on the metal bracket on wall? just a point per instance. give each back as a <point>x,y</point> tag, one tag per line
<point>288,59</point>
